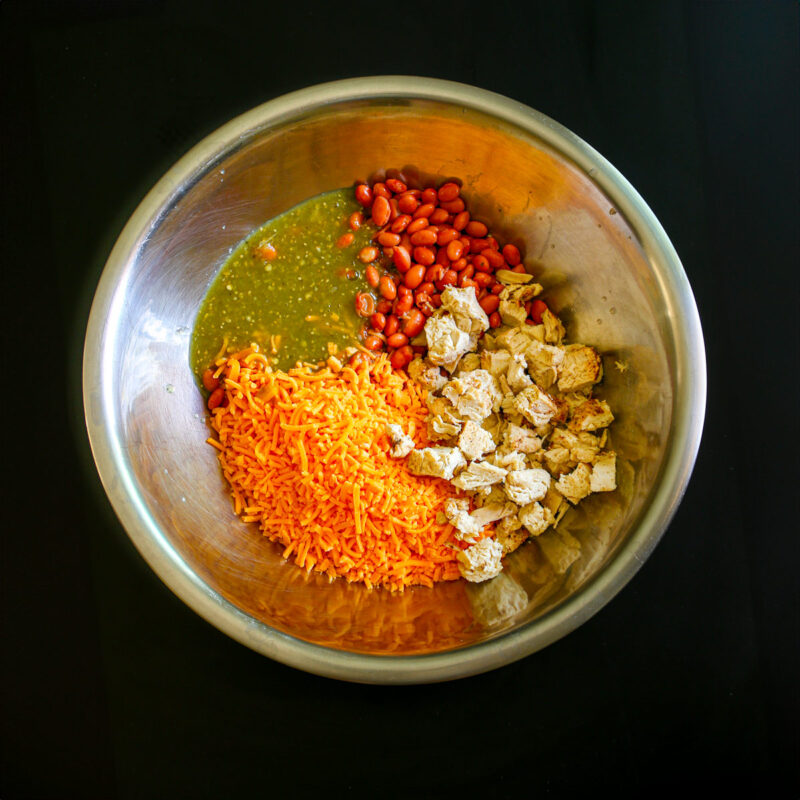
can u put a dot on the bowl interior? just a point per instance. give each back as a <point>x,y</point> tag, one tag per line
<point>596,274</point>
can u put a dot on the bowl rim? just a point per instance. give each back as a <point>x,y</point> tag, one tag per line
<point>163,558</point>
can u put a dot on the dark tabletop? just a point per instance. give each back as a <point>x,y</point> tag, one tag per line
<point>686,680</point>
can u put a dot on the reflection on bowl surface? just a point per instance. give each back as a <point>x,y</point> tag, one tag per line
<point>607,267</point>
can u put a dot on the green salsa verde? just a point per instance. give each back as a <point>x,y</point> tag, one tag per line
<point>288,287</point>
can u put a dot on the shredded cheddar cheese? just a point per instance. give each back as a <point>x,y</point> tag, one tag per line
<point>307,457</point>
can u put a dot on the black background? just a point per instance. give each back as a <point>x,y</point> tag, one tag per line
<point>686,681</point>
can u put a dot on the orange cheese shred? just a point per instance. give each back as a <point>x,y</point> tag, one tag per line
<point>306,455</point>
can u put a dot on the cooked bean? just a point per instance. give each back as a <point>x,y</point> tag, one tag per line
<point>417,225</point>
<point>368,254</point>
<point>462,263</point>
<point>519,268</point>
<point>481,263</point>
<point>401,258</point>
<point>414,276</point>
<point>453,206</point>
<point>355,220</point>
<point>413,323</point>
<point>392,324</point>
<point>404,291</point>
<point>454,250</point>
<point>477,245</point>
<point>441,257</point>
<point>372,275</point>
<point>511,255</point>
<point>493,243</point>
<point>425,210</point>
<point>448,191</point>
<point>401,223</point>
<point>388,239</point>
<point>497,288</point>
<point>450,278</point>
<point>373,342</point>
<point>445,236</point>
<point>403,305</point>
<point>439,216</point>
<point>397,340</point>
<point>365,304</point>
<point>407,203</point>
<point>424,255</point>
<point>387,288</point>
<point>215,398</point>
<point>425,288</point>
<point>364,194</point>
<point>494,258</point>
<point>495,320</point>
<point>483,280</point>
<point>537,309</point>
<point>209,381</point>
<point>429,196</point>
<point>435,272</point>
<point>381,211</point>
<point>461,220</point>
<point>490,303</point>
<point>379,190</point>
<point>399,359</point>
<point>426,236</point>
<point>378,321</point>
<point>477,229</point>
<point>395,185</point>
<point>394,209</point>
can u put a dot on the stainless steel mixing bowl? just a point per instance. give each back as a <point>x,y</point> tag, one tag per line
<point>608,268</point>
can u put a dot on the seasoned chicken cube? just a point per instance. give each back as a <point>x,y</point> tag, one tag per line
<point>481,561</point>
<point>446,341</point>
<point>580,368</point>
<point>512,313</point>
<point>516,340</point>
<point>524,440</point>
<point>443,420</point>
<point>591,415</point>
<point>495,426</point>
<point>402,444</point>
<point>560,548</point>
<point>525,486</point>
<point>604,472</point>
<point>517,293</point>
<point>516,376</point>
<point>536,518</point>
<point>510,534</point>
<point>474,441</point>
<point>509,460</point>
<point>470,362</point>
<point>475,395</point>
<point>558,460</point>
<point>495,361</point>
<point>456,510</point>
<point>543,362</point>
<point>575,485</point>
<point>555,503</point>
<point>467,313</point>
<point>582,447</point>
<point>553,329</point>
<point>440,462</point>
<point>478,474</point>
<point>535,405</point>
<point>427,375</point>
<point>492,512</point>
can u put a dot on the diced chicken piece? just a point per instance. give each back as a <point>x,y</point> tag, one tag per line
<point>478,474</point>
<point>439,428</point>
<point>543,362</point>
<point>510,533</point>
<point>509,460</point>
<point>604,472</point>
<point>474,441</point>
<point>558,460</point>
<point>517,293</point>
<point>553,329</point>
<point>560,549</point>
<point>535,405</point>
<point>426,375</point>
<point>525,486</point>
<point>591,415</point>
<point>446,341</point>
<point>481,561</point>
<point>496,361</point>
<point>512,313</point>
<point>524,440</point>
<point>463,305</point>
<point>580,368</point>
<point>402,444</point>
<point>443,420</point>
<point>582,447</point>
<point>555,503</point>
<point>440,462</point>
<point>575,485</point>
<point>517,339</point>
<point>495,496</point>
<point>495,426</point>
<point>457,512</point>
<point>516,376</point>
<point>535,518</point>
<point>470,362</point>
<point>492,512</point>
<point>475,395</point>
